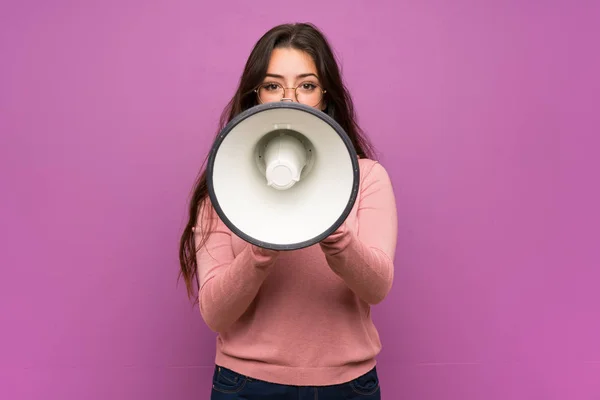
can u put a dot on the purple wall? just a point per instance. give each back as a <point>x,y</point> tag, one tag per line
<point>486,115</point>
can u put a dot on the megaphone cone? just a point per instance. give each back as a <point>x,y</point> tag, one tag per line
<point>283,175</point>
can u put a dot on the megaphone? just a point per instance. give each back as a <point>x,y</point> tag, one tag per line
<point>282,175</point>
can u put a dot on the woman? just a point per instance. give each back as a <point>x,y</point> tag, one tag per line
<point>295,324</point>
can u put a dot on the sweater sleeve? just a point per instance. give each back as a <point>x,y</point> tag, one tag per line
<point>365,260</point>
<point>228,284</point>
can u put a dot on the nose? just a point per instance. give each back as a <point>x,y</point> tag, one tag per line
<point>289,98</point>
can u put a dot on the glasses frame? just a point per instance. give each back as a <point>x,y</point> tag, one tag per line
<point>283,98</point>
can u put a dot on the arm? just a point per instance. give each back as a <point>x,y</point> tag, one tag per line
<point>365,261</point>
<point>228,284</point>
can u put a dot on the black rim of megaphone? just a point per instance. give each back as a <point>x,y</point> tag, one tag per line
<point>278,105</point>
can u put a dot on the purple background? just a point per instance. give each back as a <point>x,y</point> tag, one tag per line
<point>485,115</point>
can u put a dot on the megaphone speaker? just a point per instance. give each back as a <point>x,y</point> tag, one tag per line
<point>283,175</point>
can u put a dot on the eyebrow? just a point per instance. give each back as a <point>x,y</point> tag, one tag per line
<point>297,77</point>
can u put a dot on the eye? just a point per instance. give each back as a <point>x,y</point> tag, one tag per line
<point>270,87</point>
<point>308,86</point>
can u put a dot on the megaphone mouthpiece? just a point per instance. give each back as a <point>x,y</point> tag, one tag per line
<point>285,157</point>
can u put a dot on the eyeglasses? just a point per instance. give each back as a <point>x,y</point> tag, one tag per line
<point>308,93</point>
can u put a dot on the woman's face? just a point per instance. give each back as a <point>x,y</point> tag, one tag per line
<point>291,76</point>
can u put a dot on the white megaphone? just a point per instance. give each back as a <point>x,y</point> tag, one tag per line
<point>283,175</point>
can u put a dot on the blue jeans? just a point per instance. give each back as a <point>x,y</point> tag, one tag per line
<point>230,385</point>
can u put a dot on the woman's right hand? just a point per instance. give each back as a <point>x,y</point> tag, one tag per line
<point>265,255</point>
<point>264,252</point>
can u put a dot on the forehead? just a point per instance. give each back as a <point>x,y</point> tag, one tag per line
<point>290,63</point>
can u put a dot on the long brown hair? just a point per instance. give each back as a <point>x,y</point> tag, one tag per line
<point>301,36</point>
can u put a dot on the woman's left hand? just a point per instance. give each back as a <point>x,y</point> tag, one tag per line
<point>340,233</point>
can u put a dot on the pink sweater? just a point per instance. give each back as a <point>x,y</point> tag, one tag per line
<point>303,317</point>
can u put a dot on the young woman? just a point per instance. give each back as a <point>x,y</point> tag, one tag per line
<point>295,324</point>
